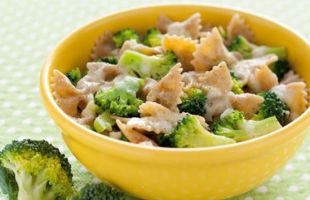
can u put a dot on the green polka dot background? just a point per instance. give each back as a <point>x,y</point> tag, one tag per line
<point>31,28</point>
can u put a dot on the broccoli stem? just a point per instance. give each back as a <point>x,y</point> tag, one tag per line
<point>32,187</point>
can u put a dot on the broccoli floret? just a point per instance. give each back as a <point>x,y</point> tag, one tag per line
<point>241,45</point>
<point>108,59</point>
<point>101,191</point>
<point>39,169</point>
<point>74,75</point>
<point>273,106</point>
<point>235,126</point>
<point>126,34</point>
<point>145,66</point>
<point>189,133</point>
<point>280,68</point>
<point>279,51</point>
<point>153,37</point>
<point>193,102</point>
<point>103,122</point>
<point>237,85</point>
<point>8,183</point>
<point>121,99</point>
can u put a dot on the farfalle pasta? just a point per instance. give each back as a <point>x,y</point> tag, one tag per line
<point>183,84</point>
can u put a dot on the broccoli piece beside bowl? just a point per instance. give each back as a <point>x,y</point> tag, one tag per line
<point>189,133</point>
<point>108,59</point>
<point>235,126</point>
<point>101,191</point>
<point>126,34</point>
<point>39,169</point>
<point>121,99</point>
<point>193,102</point>
<point>144,66</point>
<point>273,106</point>
<point>153,37</point>
<point>74,75</point>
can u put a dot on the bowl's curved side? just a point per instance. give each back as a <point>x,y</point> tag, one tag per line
<point>180,180</point>
<point>154,173</point>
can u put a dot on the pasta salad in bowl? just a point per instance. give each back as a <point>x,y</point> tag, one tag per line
<point>180,101</point>
<point>183,84</point>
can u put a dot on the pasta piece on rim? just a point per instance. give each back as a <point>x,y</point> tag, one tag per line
<point>189,28</point>
<point>238,26</point>
<point>168,90</point>
<point>163,23</point>
<point>294,95</point>
<point>211,51</point>
<point>66,95</point>
<point>182,47</point>
<point>104,46</point>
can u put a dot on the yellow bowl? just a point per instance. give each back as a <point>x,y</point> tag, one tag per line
<point>165,173</point>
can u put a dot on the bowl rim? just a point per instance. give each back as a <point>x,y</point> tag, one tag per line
<point>54,110</point>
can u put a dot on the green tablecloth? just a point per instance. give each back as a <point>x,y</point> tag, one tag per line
<point>28,31</point>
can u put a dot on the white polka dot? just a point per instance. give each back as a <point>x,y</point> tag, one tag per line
<point>2,121</point>
<point>262,189</point>
<point>83,169</point>
<point>61,149</point>
<point>50,139</point>
<point>27,81</point>
<point>276,178</point>
<point>71,159</point>
<point>1,61</point>
<point>308,198</point>
<point>32,104</point>
<point>41,113</point>
<point>35,90</point>
<point>248,198</point>
<point>293,188</point>
<point>37,130</point>
<point>301,157</point>
<point>3,82</point>
<point>12,89</point>
<point>279,198</point>
<point>18,74</point>
<point>289,167</point>
<point>11,130</point>
<point>305,177</point>
<point>27,121</point>
<point>27,48</point>
<point>23,60</point>
<point>19,42</point>
<point>17,113</point>
<point>22,97</point>
<point>21,137</point>
<point>6,105</point>
<point>51,122</point>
